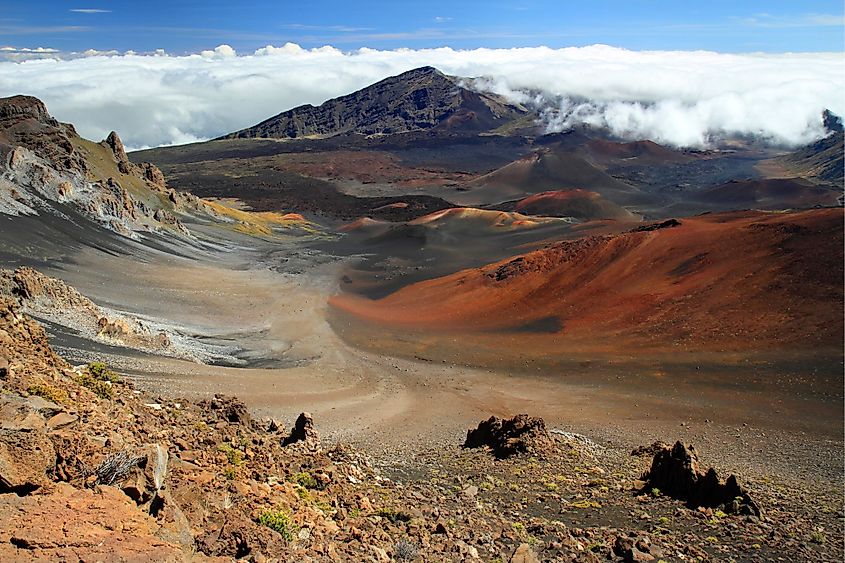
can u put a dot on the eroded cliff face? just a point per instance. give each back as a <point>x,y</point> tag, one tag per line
<point>44,162</point>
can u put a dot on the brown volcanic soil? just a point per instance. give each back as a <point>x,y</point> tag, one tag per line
<point>775,193</point>
<point>581,204</point>
<point>548,169</point>
<point>638,152</point>
<point>737,281</point>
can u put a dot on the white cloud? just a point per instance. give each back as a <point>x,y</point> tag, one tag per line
<point>220,52</point>
<point>676,97</point>
<point>90,11</point>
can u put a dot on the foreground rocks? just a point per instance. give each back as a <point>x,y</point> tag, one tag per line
<point>675,471</point>
<point>520,434</point>
<point>99,471</point>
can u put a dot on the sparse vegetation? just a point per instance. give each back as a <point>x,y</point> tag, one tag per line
<point>102,389</point>
<point>98,378</point>
<point>235,457</point>
<point>305,479</point>
<point>393,515</point>
<point>405,550</point>
<point>817,536</point>
<point>49,392</point>
<point>101,372</point>
<point>279,521</point>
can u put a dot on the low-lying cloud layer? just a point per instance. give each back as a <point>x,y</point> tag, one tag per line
<point>675,97</point>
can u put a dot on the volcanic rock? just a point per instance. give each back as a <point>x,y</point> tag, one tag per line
<point>72,524</point>
<point>418,100</point>
<point>116,145</point>
<point>524,554</point>
<point>675,472</point>
<point>520,434</point>
<point>26,452</point>
<point>667,224</point>
<point>226,408</point>
<point>651,449</point>
<point>303,431</point>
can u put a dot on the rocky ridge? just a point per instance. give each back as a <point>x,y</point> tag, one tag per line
<point>422,99</point>
<point>44,163</point>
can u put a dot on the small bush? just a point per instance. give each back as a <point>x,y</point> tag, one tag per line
<point>49,392</point>
<point>405,550</point>
<point>101,372</point>
<point>305,479</point>
<point>102,389</point>
<point>655,492</point>
<point>235,457</point>
<point>393,515</point>
<point>278,520</point>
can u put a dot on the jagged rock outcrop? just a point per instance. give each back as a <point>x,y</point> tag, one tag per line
<point>303,432</point>
<point>418,100</point>
<point>675,472</point>
<point>43,161</point>
<point>114,143</point>
<point>508,437</point>
<point>24,121</point>
<point>227,409</point>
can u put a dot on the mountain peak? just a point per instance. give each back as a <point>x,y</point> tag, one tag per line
<point>421,99</point>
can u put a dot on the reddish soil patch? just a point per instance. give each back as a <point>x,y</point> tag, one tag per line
<point>733,281</point>
<point>578,203</point>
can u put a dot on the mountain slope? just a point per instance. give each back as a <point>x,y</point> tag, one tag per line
<point>823,160</point>
<point>545,170</point>
<point>733,281</point>
<point>417,100</point>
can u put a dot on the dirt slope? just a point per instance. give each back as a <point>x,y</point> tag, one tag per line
<point>729,281</point>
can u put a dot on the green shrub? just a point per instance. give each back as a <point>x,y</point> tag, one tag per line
<point>101,372</point>
<point>305,479</point>
<point>393,515</point>
<point>49,392</point>
<point>235,457</point>
<point>278,520</point>
<point>102,389</point>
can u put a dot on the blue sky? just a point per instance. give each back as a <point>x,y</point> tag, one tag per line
<point>193,25</point>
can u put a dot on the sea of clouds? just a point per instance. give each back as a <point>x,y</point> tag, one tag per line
<point>681,98</point>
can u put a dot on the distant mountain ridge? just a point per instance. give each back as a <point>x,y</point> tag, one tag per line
<point>418,100</point>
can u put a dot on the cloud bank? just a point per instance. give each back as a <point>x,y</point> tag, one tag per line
<point>674,97</point>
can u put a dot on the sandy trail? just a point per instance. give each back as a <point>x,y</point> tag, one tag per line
<point>393,406</point>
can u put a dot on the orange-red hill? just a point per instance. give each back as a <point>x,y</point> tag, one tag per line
<point>733,281</point>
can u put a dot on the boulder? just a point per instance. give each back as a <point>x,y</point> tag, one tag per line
<point>520,434</point>
<point>675,472</point>
<point>26,452</point>
<point>74,525</point>
<point>226,408</point>
<point>303,432</point>
<point>4,367</point>
<point>524,554</point>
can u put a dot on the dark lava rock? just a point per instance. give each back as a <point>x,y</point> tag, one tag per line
<point>667,224</point>
<point>418,100</point>
<point>520,434</point>
<point>675,472</point>
<point>303,431</point>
